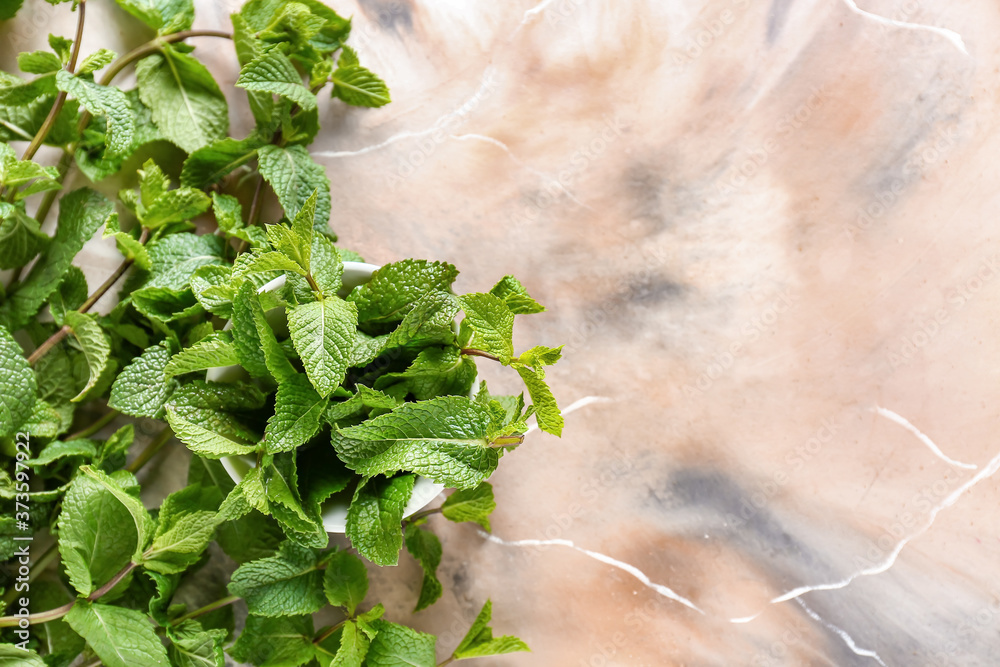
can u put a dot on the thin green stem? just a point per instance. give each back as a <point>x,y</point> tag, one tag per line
<point>255,206</point>
<point>322,637</point>
<point>150,451</point>
<point>64,331</point>
<point>218,604</point>
<point>447,661</point>
<point>507,441</point>
<point>424,513</point>
<point>59,612</point>
<point>114,581</point>
<point>472,352</point>
<point>57,106</point>
<point>95,427</point>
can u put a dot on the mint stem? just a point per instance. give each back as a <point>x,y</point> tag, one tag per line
<point>59,612</point>
<point>55,338</point>
<point>448,661</point>
<point>150,451</point>
<point>57,106</point>
<point>329,631</point>
<point>472,352</point>
<point>424,513</point>
<point>39,566</point>
<point>93,428</point>
<point>218,604</point>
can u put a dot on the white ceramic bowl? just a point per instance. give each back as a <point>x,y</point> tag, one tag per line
<point>334,511</point>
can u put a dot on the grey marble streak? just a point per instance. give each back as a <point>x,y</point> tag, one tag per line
<point>754,224</point>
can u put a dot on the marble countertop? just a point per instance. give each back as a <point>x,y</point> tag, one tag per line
<point>767,233</point>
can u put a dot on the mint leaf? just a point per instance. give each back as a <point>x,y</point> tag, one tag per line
<point>177,205</point>
<point>176,257</point>
<point>143,522</point>
<point>254,338</point>
<point>81,213</point>
<point>295,241</point>
<point>430,321</point>
<point>375,515</point>
<point>347,647</point>
<point>111,455</point>
<point>392,291</point>
<point>399,646</point>
<point>187,104</point>
<point>326,265</point>
<point>274,73</point>
<point>265,262</point>
<point>10,655</point>
<point>143,387</point>
<point>298,414</point>
<point>345,581</point>
<point>249,47</point>
<point>323,335</point>
<point>426,548</point>
<point>445,439</point>
<point>479,641</point>
<point>106,101</point>
<point>360,87</point>
<point>18,387</point>
<point>164,16</point>
<point>97,537</point>
<point>287,584</point>
<point>546,409</point>
<point>210,163</point>
<point>365,398</point>
<point>516,297</point>
<point>120,637</point>
<point>38,62</point>
<point>214,351</point>
<point>97,60</point>
<point>95,346</point>
<point>275,642</point>
<point>20,236</point>
<point>205,442</point>
<point>191,646</point>
<point>492,325</point>
<point>474,505</point>
<point>58,449</point>
<point>185,525</point>
<point>294,177</point>
<point>437,371</point>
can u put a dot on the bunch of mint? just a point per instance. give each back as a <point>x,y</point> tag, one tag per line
<point>239,336</point>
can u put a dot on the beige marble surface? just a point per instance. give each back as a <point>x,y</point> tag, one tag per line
<point>767,233</point>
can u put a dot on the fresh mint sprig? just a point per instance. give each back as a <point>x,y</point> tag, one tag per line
<point>331,393</point>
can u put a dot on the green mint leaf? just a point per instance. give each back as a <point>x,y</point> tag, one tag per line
<point>177,205</point>
<point>264,262</point>
<point>275,642</point>
<point>111,455</point>
<point>62,46</point>
<point>287,584</point>
<point>144,524</point>
<point>400,646</point>
<point>99,59</point>
<point>142,388</point>
<point>128,245</point>
<point>298,414</point>
<point>392,291</point>
<point>375,515</point>
<point>44,422</point>
<point>165,304</point>
<point>11,655</point>
<point>205,442</point>
<point>97,537</point>
<point>280,480</point>
<point>185,526</point>
<point>56,450</point>
<point>209,164</point>
<point>295,241</point>
<point>348,57</point>
<point>247,307</point>
<point>479,641</point>
<point>38,62</point>
<point>250,537</point>
<point>345,581</point>
<point>540,355</point>
<point>187,104</point>
<point>248,47</point>
<point>246,338</point>
<point>474,505</point>
<point>95,346</point>
<point>191,646</point>
<point>152,183</point>
<point>274,73</point>
<point>18,387</point>
<point>437,371</point>
<point>431,321</point>
<point>81,213</point>
<point>227,209</point>
<point>365,398</point>
<point>512,291</point>
<point>323,335</point>
<point>347,647</point>
<point>326,265</point>
<point>176,257</point>
<point>213,351</point>
<point>360,87</point>
<point>547,411</point>
<point>106,101</point>
<point>20,236</point>
<point>491,323</point>
<point>120,637</point>
<point>445,439</point>
<point>164,16</point>
<point>426,548</point>
<point>294,177</point>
